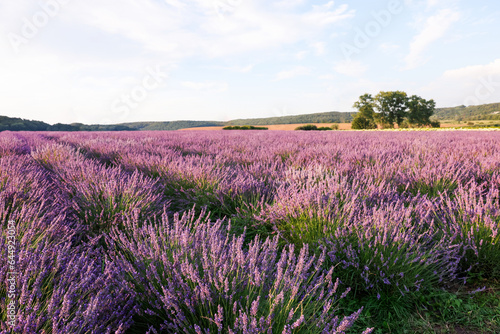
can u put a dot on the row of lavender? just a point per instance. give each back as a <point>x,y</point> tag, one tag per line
<point>92,242</point>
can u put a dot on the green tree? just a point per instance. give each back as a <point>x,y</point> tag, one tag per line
<point>420,110</point>
<point>391,107</point>
<point>365,118</point>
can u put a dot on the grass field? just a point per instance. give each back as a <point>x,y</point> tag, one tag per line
<point>250,232</point>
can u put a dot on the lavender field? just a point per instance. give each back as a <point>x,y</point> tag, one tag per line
<point>237,232</point>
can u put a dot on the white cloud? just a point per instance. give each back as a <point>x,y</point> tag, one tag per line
<point>468,85</point>
<point>287,4</point>
<point>328,14</point>
<point>350,68</point>
<point>294,72</point>
<point>434,29</point>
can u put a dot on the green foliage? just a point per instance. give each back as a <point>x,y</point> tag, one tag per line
<point>435,124</point>
<point>308,127</point>
<point>389,108</point>
<point>244,127</point>
<point>365,118</point>
<point>311,127</point>
<point>471,113</point>
<point>19,124</point>
<point>365,106</point>
<point>439,311</point>
<point>420,110</point>
<point>432,189</point>
<point>360,123</point>
<point>334,126</point>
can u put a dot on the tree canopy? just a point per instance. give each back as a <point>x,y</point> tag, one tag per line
<point>389,108</point>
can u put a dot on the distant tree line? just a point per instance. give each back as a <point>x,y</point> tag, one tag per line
<point>471,113</point>
<point>326,117</point>
<point>19,124</point>
<point>389,108</point>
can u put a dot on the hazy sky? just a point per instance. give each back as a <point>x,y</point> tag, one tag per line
<point>110,61</point>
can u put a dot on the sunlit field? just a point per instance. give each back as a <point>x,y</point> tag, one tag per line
<point>250,232</point>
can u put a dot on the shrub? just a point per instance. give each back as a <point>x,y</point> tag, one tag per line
<point>334,126</point>
<point>244,127</point>
<point>308,127</point>
<point>435,124</point>
<point>405,125</point>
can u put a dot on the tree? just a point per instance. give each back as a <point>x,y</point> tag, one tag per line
<point>365,118</point>
<point>420,110</point>
<point>391,107</point>
<point>388,108</point>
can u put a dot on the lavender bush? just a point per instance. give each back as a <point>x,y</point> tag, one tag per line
<point>191,277</point>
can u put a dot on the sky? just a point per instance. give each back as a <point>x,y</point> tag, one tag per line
<point>115,61</point>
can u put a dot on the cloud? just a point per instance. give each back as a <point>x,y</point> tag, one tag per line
<point>197,28</point>
<point>350,68</point>
<point>294,72</point>
<point>328,14</point>
<point>287,4</point>
<point>468,85</point>
<point>434,28</point>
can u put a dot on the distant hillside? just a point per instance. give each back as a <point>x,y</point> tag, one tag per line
<point>471,113</point>
<point>19,124</point>
<point>173,125</point>
<point>324,117</point>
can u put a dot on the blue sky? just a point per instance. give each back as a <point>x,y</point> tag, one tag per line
<point>116,61</point>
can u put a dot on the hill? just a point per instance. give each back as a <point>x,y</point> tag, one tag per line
<point>324,117</point>
<point>472,113</point>
<point>19,124</point>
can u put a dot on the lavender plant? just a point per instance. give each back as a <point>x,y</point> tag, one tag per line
<point>474,217</point>
<point>191,277</point>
